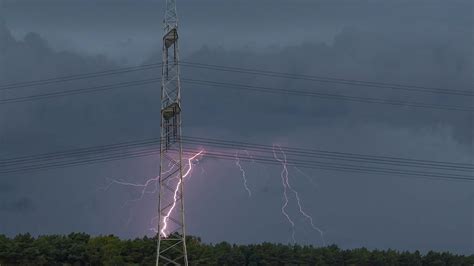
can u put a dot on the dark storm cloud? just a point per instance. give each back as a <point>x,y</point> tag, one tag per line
<point>354,54</point>
<point>226,23</point>
<point>385,45</point>
<point>241,12</point>
<point>29,59</point>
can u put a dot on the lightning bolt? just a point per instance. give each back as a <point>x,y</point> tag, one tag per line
<point>244,177</point>
<point>175,196</point>
<point>144,186</point>
<point>286,184</point>
<point>287,189</point>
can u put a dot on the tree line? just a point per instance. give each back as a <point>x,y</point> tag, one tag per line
<point>83,249</point>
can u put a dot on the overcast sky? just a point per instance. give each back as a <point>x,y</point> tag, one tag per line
<point>422,43</point>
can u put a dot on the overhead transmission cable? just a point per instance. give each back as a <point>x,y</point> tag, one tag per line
<point>330,96</point>
<point>239,145</point>
<point>361,83</point>
<point>236,86</point>
<point>314,78</point>
<point>118,154</point>
<point>260,159</point>
<point>111,72</point>
<point>334,155</point>
<point>95,89</point>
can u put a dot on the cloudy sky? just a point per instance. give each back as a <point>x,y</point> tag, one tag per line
<point>421,43</point>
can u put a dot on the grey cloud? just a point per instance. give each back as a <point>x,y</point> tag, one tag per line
<point>241,22</point>
<point>6,188</point>
<point>21,205</point>
<point>355,54</point>
<point>422,209</point>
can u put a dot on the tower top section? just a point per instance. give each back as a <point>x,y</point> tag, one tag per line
<point>171,16</point>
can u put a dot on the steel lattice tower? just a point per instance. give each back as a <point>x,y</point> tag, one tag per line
<point>171,247</point>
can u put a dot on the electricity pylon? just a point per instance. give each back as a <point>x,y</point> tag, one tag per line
<point>171,247</point>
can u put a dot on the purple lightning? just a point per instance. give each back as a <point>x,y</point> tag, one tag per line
<point>244,177</point>
<point>144,186</point>
<point>286,184</point>
<point>175,196</point>
<point>278,154</point>
<point>155,181</point>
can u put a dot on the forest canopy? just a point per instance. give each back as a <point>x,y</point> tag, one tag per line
<point>81,249</point>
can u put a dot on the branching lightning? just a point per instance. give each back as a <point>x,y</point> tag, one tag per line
<point>286,185</point>
<point>244,175</point>
<point>144,189</point>
<point>175,196</point>
<point>284,182</point>
<point>144,186</point>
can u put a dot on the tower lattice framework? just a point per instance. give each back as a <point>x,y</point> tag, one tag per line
<point>171,247</point>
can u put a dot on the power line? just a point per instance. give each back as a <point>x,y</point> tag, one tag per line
<point>241,145</point>
<point>80,151</point>
<point>95,89</point>
<point>351,168</point>
<point>213,84</point>
<point>111,72</point>
<point>148,150</point>
<point>315,153</point>
<point>326,95</point>
<point>264,160</point>
<point>321,79</point>
<point>361,83</point>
